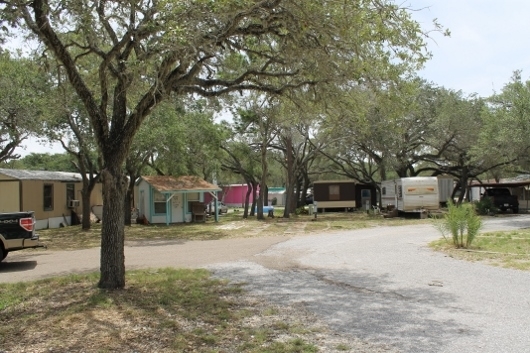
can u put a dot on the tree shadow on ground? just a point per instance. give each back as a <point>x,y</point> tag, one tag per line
<point>421,318</point>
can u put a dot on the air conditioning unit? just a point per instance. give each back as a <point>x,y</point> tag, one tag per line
<point>73,203</point>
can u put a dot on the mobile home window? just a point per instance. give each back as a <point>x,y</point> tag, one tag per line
<point>159,202</point>
<point>48,197</point>
<point>334,193</point>
<point>192,198</point>
<point>70,192</point>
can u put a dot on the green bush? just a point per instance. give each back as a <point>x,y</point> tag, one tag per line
<point>301,210</point>
<point>462,222</point>
<point>274,201</point>
<point>486,206</point>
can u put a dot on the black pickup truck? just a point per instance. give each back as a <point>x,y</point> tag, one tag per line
<point>17,232</point>
<point>503,199</point>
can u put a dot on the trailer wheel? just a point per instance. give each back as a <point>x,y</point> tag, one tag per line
<point>3,253</point>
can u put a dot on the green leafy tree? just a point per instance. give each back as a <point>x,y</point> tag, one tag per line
<point>243,160</point>
<point>257,122</point>
<point>175,140</point>
<point>143,51</point>
<point>23,99</point>
<point>505,135</point>
<point>69,124</point>
<point>368,132</point>
<point>297,127</point>
<point>187,140</point>
<point>407,129</point>
<point>46,161</point>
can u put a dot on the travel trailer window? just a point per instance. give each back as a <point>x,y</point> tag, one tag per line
<point>334,192</point>
<point>383,191</point>
<point>159,202</point>
<point>48,197</point>
<point>400,191</point>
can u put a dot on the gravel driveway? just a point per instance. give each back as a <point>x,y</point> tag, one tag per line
<point>382,285</point>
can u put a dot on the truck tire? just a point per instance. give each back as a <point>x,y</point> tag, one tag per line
<point>515,210</point>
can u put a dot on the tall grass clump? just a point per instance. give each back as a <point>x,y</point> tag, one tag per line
<point>461,222</point>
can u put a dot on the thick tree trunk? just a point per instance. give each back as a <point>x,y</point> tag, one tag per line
<point>88,187</point>
<point>297,198</point>
<point>85,200</point>
<point>127,208</point>
<point>129,200</point>
<point>112,230</point>
<point>259,203</point>
<point>254,199</point>
<point>263,181</point>
<point>247,200</point>
<point>290,178</point>
<point>305,186</point>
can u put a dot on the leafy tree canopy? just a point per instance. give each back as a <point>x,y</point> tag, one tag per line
<point>62,162</point>
<point>123,58</point>
<point>23,98</point>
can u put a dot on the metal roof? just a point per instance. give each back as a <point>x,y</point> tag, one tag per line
<point>520,180</point>
<point>164,183</point>
<point>46,175</point>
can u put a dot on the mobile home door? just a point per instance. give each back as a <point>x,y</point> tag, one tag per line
<point>366,198</point>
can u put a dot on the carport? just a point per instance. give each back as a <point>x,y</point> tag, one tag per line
<point>519,186</point>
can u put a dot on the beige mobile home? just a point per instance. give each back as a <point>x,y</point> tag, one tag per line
<point>412,194</point>
<point>51,195</point>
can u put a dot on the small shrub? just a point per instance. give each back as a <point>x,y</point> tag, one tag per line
<point>301,210</point>
<point>274,201</point>
<point>486,206</point>
<point>462,222</point>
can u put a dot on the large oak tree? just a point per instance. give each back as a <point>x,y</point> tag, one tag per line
<point>147,49</point>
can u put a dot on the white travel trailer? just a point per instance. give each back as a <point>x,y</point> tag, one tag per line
<point>413,194</point>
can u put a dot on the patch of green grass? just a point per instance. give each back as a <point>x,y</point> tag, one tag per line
<point>294,346</point>
<point>281,325</point>
<point>270,311</point>
<point>231,225</point>
<point>343,347</point>
<point>506,249</point>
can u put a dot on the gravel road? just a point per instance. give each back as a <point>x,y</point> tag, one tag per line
<point>382,285</point>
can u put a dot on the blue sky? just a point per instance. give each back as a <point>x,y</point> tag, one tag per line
<point>489,41</point>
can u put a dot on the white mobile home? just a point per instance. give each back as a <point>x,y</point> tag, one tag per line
<point>411,194</point>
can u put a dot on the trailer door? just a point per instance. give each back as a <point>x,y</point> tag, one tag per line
<point>366,198</point>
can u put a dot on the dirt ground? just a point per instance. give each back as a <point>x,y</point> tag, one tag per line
<point>35,264</point>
